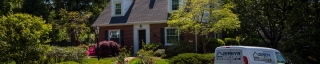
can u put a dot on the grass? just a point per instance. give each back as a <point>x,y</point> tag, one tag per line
<point>93,61</point>
<point>158,61</point>
<point>162,61</point>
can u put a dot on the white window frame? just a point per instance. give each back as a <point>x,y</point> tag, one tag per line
<point>173,3</point>
<point>165,31</point>
<point>119,35</point>
<point>170,5</point>
<point>115,9</point>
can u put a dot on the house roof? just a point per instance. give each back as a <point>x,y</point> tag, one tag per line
<point>140,11</point>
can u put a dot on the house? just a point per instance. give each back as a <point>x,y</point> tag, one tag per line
<point>130,22</point>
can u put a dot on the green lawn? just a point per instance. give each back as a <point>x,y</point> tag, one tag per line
<point>158,61</point>
<point>162,61</point>
<point>93,61</point>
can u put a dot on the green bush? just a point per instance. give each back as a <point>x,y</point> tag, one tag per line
<point>295,59</point>
<point>61,54</point>
<point>146,54</point>
<point>180,47</point>
<point>213,43</point>
<point>192,58</point>
<point>4,47</point>
<point>160,53</point>
<point>122,55</point>
<point>231,41</point>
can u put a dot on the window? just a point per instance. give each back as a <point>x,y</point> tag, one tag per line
<point>175,4</point>
<point>280,59</point>
<point>217,35</point>
<point>114,35</point>
<point>171,36</point>
<point>118,9</point>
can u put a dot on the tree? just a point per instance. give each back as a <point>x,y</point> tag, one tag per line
<point>24,33</point>
<point>70,25</point>
<point>38,9</point>
<point>10,6</point>
<point>80,6</point>
<point>202,16</point>
<point>291,23</point>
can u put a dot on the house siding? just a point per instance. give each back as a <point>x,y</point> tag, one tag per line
<point>155,34</point>
<point>128,34</point>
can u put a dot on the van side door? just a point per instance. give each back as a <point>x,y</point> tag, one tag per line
<point>236,56</point>
<point>228,56</point>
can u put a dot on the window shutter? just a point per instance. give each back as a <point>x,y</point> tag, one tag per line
<point>106,37</point>
<point>181,37</point>
<point>121,37</point>
<point>162,36</point>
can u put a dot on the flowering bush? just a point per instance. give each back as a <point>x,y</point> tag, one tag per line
<point>107,48</point>
<point>91,51</point>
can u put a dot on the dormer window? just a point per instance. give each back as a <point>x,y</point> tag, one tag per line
<point>175,4</point>
<point>118,9</point>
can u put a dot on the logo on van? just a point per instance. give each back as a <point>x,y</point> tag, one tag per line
<point>262,57</point>
<point>228,55</point>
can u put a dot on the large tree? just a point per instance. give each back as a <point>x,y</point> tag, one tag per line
<point>70,25</point>
<point>202,16</point>
<point>292,23</point>
<point>22,34</point>
<point>272,20</point>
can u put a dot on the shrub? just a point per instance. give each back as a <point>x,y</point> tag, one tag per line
<point>192,58</point>
<point>122,55</point>
<point>4,47</point>
<point>107,48</point>
<point>180,47</point>
<point>146,54</point>
<point>160,53</point>
<point>213,43</point>
<point>60,54</point>
<point>295,59</point>
<point>231,41</point>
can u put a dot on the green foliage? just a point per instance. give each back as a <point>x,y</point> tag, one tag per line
<point>4,48</point>
<point>197,15</point>
<point>252,42</point>
<point>231,41</point>
<point>136,61</point>
<point>10,6</point>
<point>23,30</point>
<point>146,54</point>
<point>70,25</point>
<point>122,55</point>
<point>162,61</point>
<point>213,43</point>
<point>160,53</point>
<point>24,35</point>
<point>295,59</point>
<point>109,60</point>
<point>192,58</point>
<point>40,9</point>
<point>157,61</point>
<point>61,54</point>
<point>180,47</point>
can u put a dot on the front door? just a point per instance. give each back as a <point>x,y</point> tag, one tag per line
<point>142,37</point>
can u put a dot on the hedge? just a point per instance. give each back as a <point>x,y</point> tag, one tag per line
<point>192,58</point>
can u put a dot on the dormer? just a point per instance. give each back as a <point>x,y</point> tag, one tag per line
<point>173,5</point>
<point>120,7</point>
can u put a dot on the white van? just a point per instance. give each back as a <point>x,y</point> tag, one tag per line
<point>248,55</point>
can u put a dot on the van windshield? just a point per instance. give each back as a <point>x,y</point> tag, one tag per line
<point>280,58</point>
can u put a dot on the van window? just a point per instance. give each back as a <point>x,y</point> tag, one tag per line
<point>280,59</point>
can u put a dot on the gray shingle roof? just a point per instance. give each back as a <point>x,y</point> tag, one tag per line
<point>139,11</point>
